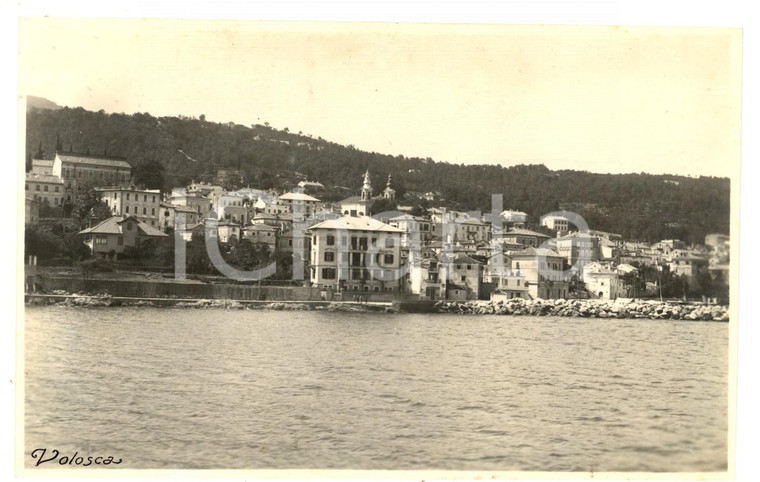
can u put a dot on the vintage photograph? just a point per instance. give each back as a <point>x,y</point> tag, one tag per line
<point>472,249</point>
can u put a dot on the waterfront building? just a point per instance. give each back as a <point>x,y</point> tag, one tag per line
<point>78,170</point>
<point>542,269</point>
<point>464,278</point>
<point>578,249</point>
<point>46,189</point>
<point>424,278</point>
<point>604,284</point>
<point>112,236</point>
<point>355,254</point>
<point>506,282</point>
<point>144,204</point>
<point>687,265</point>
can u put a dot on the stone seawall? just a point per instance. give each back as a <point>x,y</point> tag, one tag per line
<point>587,309</point>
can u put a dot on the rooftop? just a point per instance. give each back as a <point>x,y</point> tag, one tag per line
<point>94,160</point>
<point>30,176</point>
<point>297,196</point>
<point>525,232</point>
<point>114,225</point>
<point>356,223</point>
<point>532,252</point>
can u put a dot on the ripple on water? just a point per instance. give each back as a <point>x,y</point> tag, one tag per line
<point>330,390</point>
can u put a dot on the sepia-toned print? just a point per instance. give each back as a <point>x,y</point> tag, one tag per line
<point>443,250</point>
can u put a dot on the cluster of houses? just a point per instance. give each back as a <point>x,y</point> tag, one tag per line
<point>442,254</point>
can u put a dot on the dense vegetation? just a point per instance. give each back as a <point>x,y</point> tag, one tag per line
<point>172,151</point>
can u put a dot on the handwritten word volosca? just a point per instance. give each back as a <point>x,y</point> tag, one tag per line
<point>76,459</point>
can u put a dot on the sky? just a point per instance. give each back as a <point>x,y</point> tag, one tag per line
<point>602,99</point>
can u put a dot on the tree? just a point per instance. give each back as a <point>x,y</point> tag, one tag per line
<point>149,174</point>
<point>88,204</point>
<point>382,205</point>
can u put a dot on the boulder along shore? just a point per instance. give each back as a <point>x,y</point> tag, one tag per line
<point>588,309</point>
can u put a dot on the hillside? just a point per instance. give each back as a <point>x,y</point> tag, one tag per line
<point>33,102</point>
<point>638,206</point>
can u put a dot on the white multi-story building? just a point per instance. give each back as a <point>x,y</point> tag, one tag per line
<point>144,204</point>
<point>356,254</point>
<point>44,188</point>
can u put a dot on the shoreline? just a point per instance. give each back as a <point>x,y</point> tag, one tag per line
<point>618,309</point>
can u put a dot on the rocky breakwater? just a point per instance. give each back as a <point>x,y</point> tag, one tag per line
<point>588,309</point>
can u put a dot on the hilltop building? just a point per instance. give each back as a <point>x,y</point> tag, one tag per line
<point>77,170</point>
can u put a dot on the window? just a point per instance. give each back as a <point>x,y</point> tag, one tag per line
<point>145,210</point>
<point>27,187</point>
<point>45,188</point>
<point>126,209</point>
<point>464,278</point>
<point>329,256</point>
<point>154,198</point>
<point>55,201</point>
<point>388,259</point>
<point>127,196</point>
<point>145,198</point>
<point>129,226</point>
<point>153,211</point>
<point>389,242</point>
<point>343,240</point>
<point>57,189</point>
<point>37,187</point>
<point>330,240</point>
<point>328,273</point>
<point>120,241</point>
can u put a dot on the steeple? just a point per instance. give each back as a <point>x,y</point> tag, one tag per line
<point>389,192</point>
<point>366,188</point>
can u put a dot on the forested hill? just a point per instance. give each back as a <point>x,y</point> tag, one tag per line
<point>638,206</point>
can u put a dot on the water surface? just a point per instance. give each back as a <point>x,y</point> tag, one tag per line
<point>211,389</point>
